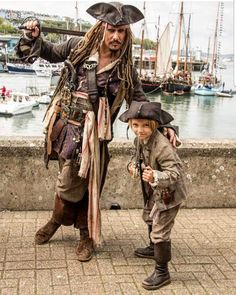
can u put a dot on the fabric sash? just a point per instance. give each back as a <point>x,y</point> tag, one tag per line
<point>91,163</point>
<point>104,120</point>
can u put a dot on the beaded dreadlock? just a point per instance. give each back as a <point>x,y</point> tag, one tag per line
<point>90,43</point>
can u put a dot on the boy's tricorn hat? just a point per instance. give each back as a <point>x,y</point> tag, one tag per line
<point>115,13</point>
<point>146,110</point>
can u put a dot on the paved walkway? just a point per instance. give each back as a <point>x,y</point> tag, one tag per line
<point>204,255</point>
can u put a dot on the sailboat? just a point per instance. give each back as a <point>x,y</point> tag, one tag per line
<point>178,82</point>
<point>150,82</point>
<point>162,63</point>
<point>209,85</point>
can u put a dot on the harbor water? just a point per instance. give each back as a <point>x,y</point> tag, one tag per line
<point>196,116</point>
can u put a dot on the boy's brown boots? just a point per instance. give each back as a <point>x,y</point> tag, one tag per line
<point>147,252</point>
<point>160,275</point>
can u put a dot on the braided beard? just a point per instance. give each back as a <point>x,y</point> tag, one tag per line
<point>114,54</point>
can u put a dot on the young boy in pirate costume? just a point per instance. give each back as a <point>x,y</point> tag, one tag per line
<point>163,186</point>
<point>98,76</point>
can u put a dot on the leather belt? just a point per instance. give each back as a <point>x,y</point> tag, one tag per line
<point>73,122</point>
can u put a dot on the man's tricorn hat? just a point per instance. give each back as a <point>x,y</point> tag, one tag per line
<point>115,13</point>
<point>146,110</point>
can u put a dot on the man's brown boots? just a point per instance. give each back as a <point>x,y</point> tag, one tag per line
<point>44,234</point>
<point>84,249</point>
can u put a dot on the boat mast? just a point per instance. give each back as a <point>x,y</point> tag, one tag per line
<point>157,45</point>
<point>208,50</point>
<point>142,41</point>
<point>187,43</point>
<point>179,36</point>
<point>77,22</point>
<point>214,55</point>
<point>220,29</point>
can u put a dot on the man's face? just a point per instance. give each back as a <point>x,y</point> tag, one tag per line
<point>114,36</point>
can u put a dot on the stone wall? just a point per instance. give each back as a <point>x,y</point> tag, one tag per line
<point>25,184</point>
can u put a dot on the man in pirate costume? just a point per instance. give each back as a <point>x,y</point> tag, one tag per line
<point>97,77</point>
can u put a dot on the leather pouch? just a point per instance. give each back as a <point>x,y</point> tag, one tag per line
<point>56,129</point>
<point>167,196</point>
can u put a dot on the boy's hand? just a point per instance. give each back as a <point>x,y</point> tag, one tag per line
<point>147,174</point>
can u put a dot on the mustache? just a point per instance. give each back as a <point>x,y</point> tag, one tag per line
<point>116,42</point>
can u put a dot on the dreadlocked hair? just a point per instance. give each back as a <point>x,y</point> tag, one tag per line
<point>90,43</point>
<point>125,67</point>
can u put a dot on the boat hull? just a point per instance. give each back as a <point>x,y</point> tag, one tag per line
<point>173,88</point>
<point>43,73</point>
<point>150,87</point>
<point>17,108</point>
<point>44,99</point>
<point>20,69</point>
<point>205,91</point>
<point>223,94</point>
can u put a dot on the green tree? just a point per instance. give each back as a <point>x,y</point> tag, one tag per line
<point>6,27</point>
<point>147,43</point>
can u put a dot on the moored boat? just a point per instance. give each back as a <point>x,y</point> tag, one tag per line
<point>44,98</point>
<point>174,86</point>
<point>153,68</point>
<point>177,93</point>
<point>44,69</point>
<point>205,91</point>
<point>18,103</point>
<point>209,84</point>
<point>224,93</point>
<point>150,86</point>
<point>17,68</point>
<point>178,81</point>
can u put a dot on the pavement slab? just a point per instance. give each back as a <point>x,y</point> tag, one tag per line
<point>203,255</point>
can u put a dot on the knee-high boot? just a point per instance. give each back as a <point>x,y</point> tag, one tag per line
<point>84,250</point>
<point>146,252</point>
<point>160,275</point>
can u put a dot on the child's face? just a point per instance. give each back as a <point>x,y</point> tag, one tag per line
<point>141,128</point>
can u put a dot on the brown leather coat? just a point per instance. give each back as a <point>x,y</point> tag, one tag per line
<point>160,155</point>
